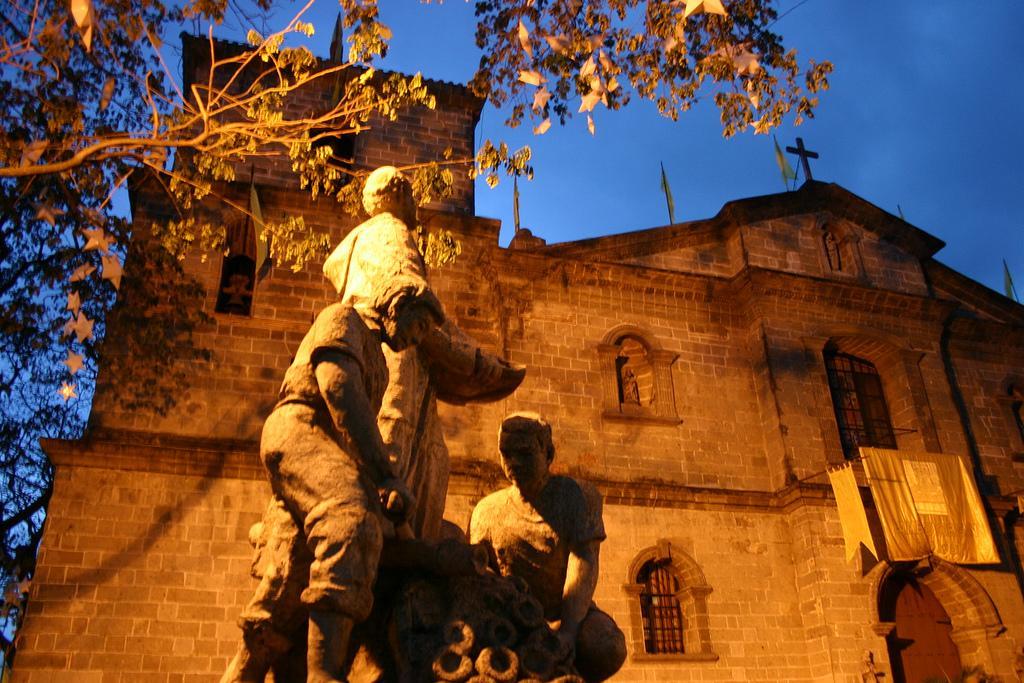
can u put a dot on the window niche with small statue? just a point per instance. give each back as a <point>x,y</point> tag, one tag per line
<point>238,271</point>
<point>637,377</point>
<point>839,249</point>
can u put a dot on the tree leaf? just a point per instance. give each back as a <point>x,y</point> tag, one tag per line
<point>33,151</point>
<point>74,362</point>
<point>81,272</point>
<point>524,39</point>
<point>589,101</point>
<point>112,270</point>
<point>540,99</point>
<point>67,391</point>
<point>97,240</point>
<point>84,14</point>
<point>588,67</point>
<point>531,77</point>
<point>81,12</point>
<point>108,93</point>
<point>74,302</point>
<point>709,6</point>
<point>590,124</point>
<point>542,127</point>
<point>49,214</point>
<point>559,43</point>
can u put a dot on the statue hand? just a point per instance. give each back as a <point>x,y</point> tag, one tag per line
<point>396,499</point>
<point>488,368</point>
<point>567,643</point>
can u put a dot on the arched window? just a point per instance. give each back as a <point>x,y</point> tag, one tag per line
<point>659,608</point>
<point>859,403</point>
<point>668,606</point>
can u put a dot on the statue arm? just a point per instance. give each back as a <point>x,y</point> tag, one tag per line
<point>578,593</point>
<point>339,377</point>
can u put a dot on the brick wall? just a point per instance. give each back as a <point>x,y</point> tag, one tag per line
<point>145,565</point>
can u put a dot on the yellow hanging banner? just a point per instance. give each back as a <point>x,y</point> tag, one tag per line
<point>851,511</point>
<point>929,504</point>
<point>904,535</point>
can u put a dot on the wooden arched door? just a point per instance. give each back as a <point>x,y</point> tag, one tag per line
<point>920,646</point>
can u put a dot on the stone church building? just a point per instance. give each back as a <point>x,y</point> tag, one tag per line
<point>702,375</point>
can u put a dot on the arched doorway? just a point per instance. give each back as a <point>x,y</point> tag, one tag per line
<point>920,646</point>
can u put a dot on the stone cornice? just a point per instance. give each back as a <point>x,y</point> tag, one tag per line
<point>749,284</point>
<point>158,453</point>
<point>145,452</point>
<point>763,283</point>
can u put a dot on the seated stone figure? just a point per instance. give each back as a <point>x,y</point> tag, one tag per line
<point>547,530</point>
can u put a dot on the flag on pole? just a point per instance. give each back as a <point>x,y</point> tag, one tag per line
<point>1011,291</point>
<point>262,250</point>
<point>852,517</point>
<point>515,201</point>
<point>787,171</point>
<point>668,196</point>
<point>337,41</point>
<point>929,505</point>
<point>337,55</point>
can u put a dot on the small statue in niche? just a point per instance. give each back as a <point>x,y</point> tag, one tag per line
<point>547,531</point>
<point>833,252</point>
<point>237,292</point>
<point>630,387</point>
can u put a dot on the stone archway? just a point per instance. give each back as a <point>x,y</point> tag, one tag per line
<point>975,622</point>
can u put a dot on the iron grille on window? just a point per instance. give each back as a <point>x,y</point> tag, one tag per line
<point>659,608</point>
<point>859,403</point>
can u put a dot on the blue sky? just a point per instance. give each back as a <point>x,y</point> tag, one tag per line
<point>925,111</point>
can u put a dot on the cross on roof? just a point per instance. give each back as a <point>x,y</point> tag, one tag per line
<point>804,155</point>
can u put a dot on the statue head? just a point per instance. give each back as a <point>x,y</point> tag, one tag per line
<point>406,310</point>
<point>388,190</point>
<point>527,449</point>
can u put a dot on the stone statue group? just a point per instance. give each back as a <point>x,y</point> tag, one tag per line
<point>360,577</point>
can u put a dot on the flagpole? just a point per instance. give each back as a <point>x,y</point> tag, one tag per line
<point>669,203</point>
<point>1008,285</point>
<point>515,201</point>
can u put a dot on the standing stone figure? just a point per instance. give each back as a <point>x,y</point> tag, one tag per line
<point>547,530</point>
<point>630,387</point>
<point>869,670</point>
<point>329,471</point>
<point>446,366</point>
